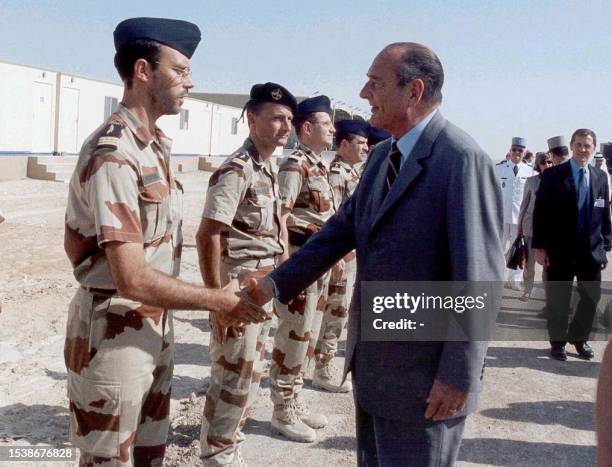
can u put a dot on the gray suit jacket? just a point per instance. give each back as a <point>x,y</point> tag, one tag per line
<point>525,219</point>
<point>441,221</point>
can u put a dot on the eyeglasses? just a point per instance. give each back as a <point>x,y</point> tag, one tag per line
<point>547,162</point>
<point>181,73</point>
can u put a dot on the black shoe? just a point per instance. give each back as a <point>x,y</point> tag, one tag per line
<point>584,350</point>
<point>558,353</point>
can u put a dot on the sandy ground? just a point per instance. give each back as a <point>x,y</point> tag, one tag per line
<point>534,411</point>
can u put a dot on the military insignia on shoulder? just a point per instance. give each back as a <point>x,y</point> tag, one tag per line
<point>110,135</point>
<point>295,156</point>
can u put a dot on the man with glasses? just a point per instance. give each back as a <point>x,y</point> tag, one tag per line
<point>123,238</point>
<point>512,175</point>
<point>307,202</point>
<point>351,152</point>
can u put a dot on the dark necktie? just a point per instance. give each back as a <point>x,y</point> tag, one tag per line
<point>393,168</point>
<point>583,202</point>
<point>515,169</point>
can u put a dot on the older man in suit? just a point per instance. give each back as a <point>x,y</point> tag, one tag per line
<point>428,208</point>
<point>572,232</point>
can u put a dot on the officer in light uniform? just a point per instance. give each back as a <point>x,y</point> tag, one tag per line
<point>351,152</point>
<point>123,238</point>
<point>307,202</point>
<point>512,175</point>
<point>240,234</point>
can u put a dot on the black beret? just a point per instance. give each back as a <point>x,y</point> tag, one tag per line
<point>314,104</point>
<point>274,93</point>
<point>377,135</point>
<point>180,35</point>
<point>352,127</point>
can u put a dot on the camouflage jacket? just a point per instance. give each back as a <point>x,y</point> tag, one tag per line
<point>305,190</point>
<point>243,195</point>
<point>123,190</point>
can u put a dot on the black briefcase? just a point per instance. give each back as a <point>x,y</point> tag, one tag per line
<point>515,256</point>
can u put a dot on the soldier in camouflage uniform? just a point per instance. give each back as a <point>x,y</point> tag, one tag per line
<point>123,238</point>
<point>307,202</point>
<point>240,232</point>
<point>352,149</point>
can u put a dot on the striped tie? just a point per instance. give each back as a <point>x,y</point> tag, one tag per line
<point>395,159</point>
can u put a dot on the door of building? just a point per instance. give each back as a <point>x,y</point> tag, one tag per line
<point>42,117</point>
<point>69,121</point>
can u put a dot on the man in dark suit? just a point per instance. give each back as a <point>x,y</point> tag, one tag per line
<point>428,208</point>
<point>571,235</point>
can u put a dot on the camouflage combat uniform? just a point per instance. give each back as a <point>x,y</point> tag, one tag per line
<point>305,190</point>
<point>343,180</point>
<point>118,352</point>
<point>243,195</point>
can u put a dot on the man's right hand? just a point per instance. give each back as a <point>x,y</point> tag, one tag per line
<point>236,312</point>
<point>541,257</point>
<point>258,291</point>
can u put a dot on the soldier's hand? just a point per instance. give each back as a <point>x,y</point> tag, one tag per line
<point>444,401</point>
<point>236,312</point>
<point>337,271</point>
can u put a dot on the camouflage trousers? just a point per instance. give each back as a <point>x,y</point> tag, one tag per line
<point>119,356</point>
<point>296,337</point>
<point>237,366</point>
<point>340,292</point>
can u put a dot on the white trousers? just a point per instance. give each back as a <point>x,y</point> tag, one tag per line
<point>510,233</point>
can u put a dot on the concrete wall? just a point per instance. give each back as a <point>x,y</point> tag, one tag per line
<point>13,167</point>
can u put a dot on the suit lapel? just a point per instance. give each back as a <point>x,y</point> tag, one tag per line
<point>410,169</point>
<point>378,188</point>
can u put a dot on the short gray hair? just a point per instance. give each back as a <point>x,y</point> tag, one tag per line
<point>420,62</point>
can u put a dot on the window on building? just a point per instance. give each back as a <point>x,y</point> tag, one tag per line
<point>110,105</point>
<point>184,123</point>
<point>234,126</point>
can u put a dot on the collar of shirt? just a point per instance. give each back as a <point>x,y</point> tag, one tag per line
<point>267,165</point>
<point>341,162</point>
<point>575,170</point>
<point>140,131</point>
<point>407,142</point>
<point>315,159</point>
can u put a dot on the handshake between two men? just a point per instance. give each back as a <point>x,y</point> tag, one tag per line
<point>251,291</point>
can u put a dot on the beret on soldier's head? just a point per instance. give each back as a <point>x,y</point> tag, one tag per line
<point>180,35</point>
<point>351,127</point>
<point>274,93</point>
<point>556,142</point>
<point>314,104</point>
<point>377,135</point>
<point>518,141</point>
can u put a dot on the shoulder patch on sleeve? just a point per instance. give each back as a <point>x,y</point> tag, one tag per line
<point>110,136</point>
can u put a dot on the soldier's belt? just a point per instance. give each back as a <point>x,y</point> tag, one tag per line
<point>94,290</point>
<point>255,263</point>
<point>297,238</point>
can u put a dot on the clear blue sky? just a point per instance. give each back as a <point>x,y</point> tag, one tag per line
<point>523,68</point>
